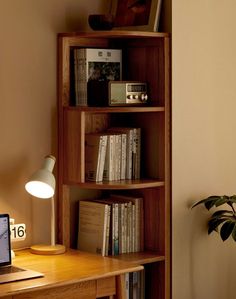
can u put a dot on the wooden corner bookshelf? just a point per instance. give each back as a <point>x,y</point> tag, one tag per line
<point>146,58</point>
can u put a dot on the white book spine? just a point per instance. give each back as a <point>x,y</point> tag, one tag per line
<point>105,231</point>
<point>129,155</point>
<point>118,156</point>
<point>102,155</point>
<point>122,207</point>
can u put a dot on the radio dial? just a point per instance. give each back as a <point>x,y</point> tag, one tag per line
<point>136,97</point>
<point>130,97</point>
<point>144,97</point>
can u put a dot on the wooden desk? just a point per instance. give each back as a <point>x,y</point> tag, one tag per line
<point>73,275</point>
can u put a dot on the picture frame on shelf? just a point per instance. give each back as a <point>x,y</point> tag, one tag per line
<point>137,15</point>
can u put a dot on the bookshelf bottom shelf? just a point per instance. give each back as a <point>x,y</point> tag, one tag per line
<point>145,257</point>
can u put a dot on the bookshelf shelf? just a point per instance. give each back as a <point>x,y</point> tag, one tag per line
<point>121,185</point>
<point>145,58</point>
<point>142,258</point>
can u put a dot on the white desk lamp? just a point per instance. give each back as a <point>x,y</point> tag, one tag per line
<point>42,185</point>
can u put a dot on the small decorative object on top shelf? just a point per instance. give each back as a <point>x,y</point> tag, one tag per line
<point>101,22</point>
<point>225,218</point>
<point>141,15</point>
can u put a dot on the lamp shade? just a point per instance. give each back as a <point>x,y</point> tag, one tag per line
<point>42,183</point>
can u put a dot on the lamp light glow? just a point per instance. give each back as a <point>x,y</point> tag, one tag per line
<point>39,189</point>
<point>42,185</point>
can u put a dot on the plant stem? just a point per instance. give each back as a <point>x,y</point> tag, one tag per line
<point>231,204</point>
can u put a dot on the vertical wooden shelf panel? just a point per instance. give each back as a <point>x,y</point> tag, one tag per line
<point>146,57</point>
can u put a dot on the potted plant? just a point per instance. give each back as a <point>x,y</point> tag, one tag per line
<point>222,220</point>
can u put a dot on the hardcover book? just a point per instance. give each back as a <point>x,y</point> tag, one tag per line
<point>93,225</point>
<point>95,152</point>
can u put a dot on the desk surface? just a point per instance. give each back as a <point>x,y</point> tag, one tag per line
<point>61,270</point>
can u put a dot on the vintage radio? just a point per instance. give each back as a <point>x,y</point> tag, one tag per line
<point>122,93</point>
<point>116,93</point>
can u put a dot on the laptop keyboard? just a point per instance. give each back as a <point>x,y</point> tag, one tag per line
<point>10,269</point>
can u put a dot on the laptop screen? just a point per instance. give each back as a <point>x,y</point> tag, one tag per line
<point>5,242</point>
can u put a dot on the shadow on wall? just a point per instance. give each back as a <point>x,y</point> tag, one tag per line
<point>73,16</point>
<point>11,175</point>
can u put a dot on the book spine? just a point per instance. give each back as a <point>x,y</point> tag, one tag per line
<point>137,144</point>
<point>82,77</point>
<point>76,75</point>
<point>122,228</point>
<point>126,285</point>
<point>137,225</point>
<point>123,156</point>
<point>131,285</point>
<point>118,156</point>
<point>116,230</point>
<point>105,230</point>
<point>128,227</point>
<point>108,167</point>
<point>125,227</point>
<point>102,155</point>
<point>108,230</point>
<point>129,154</point>
<point>133,228</point>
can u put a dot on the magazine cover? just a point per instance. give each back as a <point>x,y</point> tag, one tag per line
<point>94,68</point>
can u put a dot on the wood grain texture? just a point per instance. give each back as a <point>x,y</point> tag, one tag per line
<point>74,270</point>
<point>106,287</point>
<point>120,286</point>
<point>82,290</point>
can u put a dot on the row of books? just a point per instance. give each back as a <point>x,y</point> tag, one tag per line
<point>135,285</point>
<point>113,155</point>
<point>111,226</point>
<point>93,68</point>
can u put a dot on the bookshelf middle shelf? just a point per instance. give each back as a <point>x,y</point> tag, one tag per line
<point>120,185</point>
<point>78,122</point>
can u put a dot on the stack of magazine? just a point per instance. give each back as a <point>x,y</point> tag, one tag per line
<point>111,226</point>
<point>113,155</point>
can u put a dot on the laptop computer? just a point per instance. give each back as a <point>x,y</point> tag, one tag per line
<point>9,273</point>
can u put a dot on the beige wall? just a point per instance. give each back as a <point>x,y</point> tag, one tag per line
<point>204,143</point>
<point>28,32</point>
<point>204,124</point>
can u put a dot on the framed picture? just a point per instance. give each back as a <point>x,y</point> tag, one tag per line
<point>141,15</point>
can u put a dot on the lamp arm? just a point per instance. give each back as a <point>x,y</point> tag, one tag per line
<point>53,241</point>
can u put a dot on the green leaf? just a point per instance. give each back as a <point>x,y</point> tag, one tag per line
<point>215,200</point>
<point>200,202</point>
<point>233,199</point>
<point>226,230</point>
<point>221,213</point>
<point>222,200</point>
<point>214,223</point>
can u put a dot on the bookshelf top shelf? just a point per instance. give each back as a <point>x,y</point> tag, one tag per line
<point>114,34</point>
<point>127,109</point>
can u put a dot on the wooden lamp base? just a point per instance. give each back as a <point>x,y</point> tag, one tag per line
<point>47,249</point>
